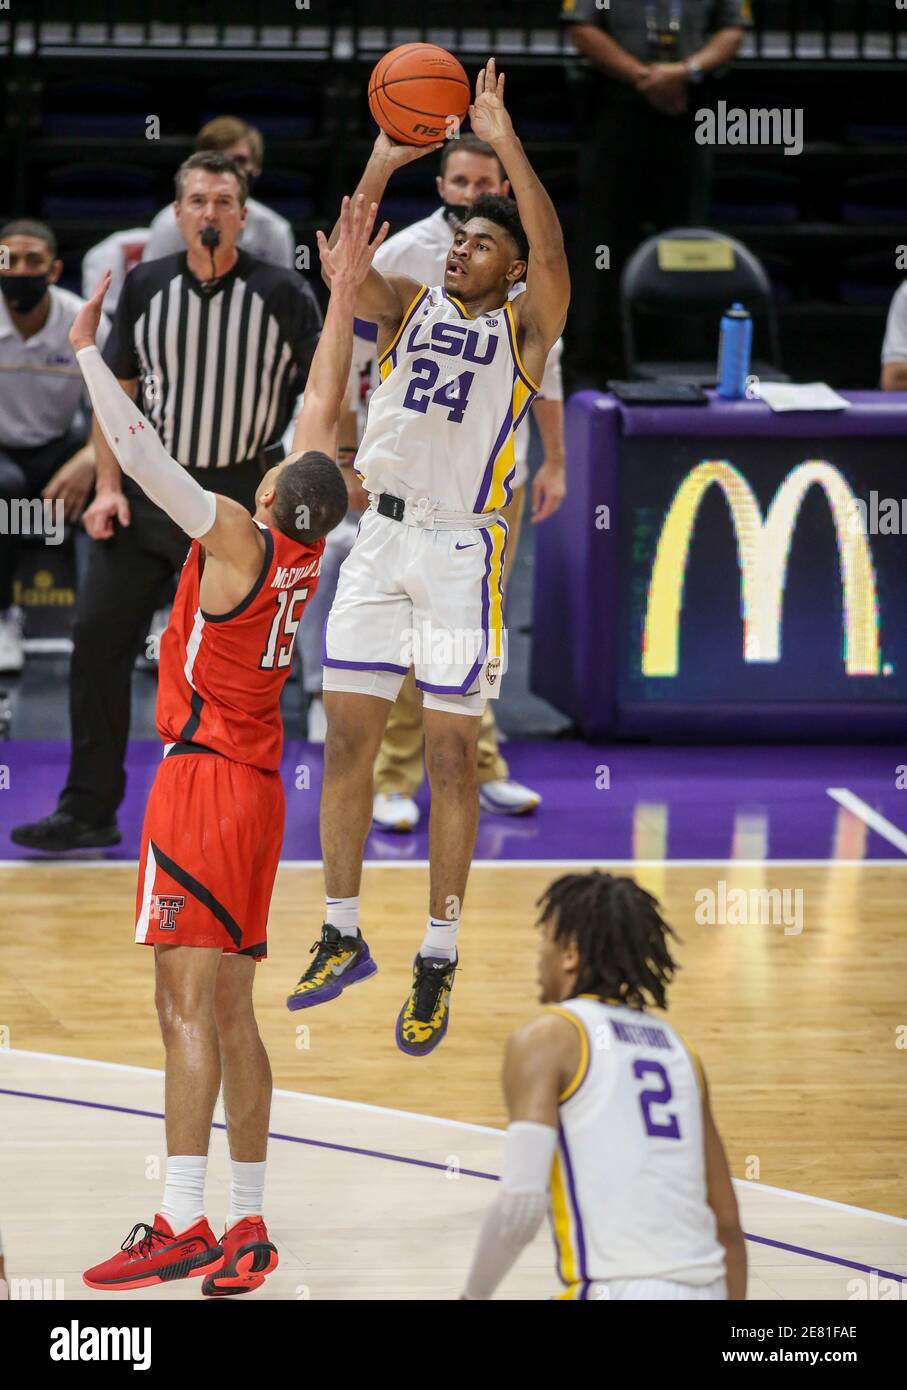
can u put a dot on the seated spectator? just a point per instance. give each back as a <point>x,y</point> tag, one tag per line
<point>267,236</point>
<point>43,428</point>
<point>119,253</point>
<point>894,348</point>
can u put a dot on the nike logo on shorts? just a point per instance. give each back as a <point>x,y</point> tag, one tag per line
<point>468,545</point>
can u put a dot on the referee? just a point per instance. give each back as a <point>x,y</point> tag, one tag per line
<point>215,346</point>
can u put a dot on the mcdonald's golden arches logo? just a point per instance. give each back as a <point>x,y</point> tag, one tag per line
<point>763,548</point>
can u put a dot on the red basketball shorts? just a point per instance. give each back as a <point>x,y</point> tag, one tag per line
<point>210,847</point>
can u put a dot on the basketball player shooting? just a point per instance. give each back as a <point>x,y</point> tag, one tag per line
<point>611,1131</point>
<point>421,586</point>
<point>214,822</point>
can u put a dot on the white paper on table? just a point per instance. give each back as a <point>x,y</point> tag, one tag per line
<point>783,395</point>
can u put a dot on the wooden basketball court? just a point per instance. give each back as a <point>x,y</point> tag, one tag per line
<point>797,1024</point>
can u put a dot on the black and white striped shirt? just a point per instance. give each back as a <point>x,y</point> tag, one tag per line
<point>219,368</point>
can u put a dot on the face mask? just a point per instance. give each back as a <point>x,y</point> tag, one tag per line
<point>456,213</point>
<point>23,292</point>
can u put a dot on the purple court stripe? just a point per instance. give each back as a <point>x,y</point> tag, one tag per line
<point>425,1163</point>
<point>830,1259</point>
<point>288,1138</point>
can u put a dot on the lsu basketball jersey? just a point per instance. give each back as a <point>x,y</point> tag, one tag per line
<point>628,1182</point>
<point>441,423</point>
<point>221,675</point>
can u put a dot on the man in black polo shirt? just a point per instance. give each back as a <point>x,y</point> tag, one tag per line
<point>641,170</point>
<point>215,346</point>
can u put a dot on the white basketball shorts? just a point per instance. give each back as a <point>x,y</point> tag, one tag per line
<point>647,1290</point>
<point>423,597</point>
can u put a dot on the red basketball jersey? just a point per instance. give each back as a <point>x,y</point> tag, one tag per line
<point>220,676</point>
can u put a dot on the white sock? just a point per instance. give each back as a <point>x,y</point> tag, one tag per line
<point>247,1191</point>
<point>440,938</point>
<point>343,913</point>
<point>184,1190</point>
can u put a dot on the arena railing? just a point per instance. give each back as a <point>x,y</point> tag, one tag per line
<point>805,31</point>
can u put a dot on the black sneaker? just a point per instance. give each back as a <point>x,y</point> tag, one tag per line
<point>422,1022</point>
<point>60,831</point>
<point>339,961</point>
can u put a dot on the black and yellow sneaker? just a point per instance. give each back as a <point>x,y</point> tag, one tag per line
<point>339,961</point>
<point>422,1022</point>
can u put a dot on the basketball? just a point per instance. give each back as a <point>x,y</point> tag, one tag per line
<point>414,90</point>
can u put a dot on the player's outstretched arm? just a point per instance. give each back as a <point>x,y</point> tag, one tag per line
<point>722,1199</point>
<point>132,438</point>
<point>539,1061</point>
<point>347,262</point>
<point>382,299</point>
<point>222,525</point>
<point>542,309</point>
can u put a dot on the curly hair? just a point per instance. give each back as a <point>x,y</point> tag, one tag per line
<point>504,212</point>
<point>620,935</point>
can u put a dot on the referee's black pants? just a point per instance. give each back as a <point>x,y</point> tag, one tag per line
<point>115,604</point>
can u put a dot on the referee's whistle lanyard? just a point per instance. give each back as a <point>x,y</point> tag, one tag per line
<point>662,41</point>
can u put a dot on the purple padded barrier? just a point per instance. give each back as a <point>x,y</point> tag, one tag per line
<point>574,652</point>
<point>878,413</point>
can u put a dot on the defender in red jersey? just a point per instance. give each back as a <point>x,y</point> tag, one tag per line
<point>219,690</point>
<point>214,821</point>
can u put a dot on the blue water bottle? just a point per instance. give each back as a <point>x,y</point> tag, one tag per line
<point>734,352</point>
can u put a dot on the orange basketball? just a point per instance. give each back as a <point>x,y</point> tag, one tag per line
<point>414,90</point>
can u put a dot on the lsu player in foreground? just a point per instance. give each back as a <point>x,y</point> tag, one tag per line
<point>610,1125</point>
<point>214,822</point>
<point>422,585</point>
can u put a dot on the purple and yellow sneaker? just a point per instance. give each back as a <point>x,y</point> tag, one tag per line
<point>339,961</point>
<point>422,1022</point>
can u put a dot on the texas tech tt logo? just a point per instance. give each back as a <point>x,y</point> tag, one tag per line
<point>167,905</point>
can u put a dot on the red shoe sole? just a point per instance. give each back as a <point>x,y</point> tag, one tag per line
<point>249,1272</point>
<point>167,1276</point>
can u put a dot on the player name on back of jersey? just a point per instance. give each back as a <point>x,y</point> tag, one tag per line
<point>635,1033</point>
<point>286,578</point>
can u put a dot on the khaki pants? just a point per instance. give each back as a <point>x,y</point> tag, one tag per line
<point>399,766</point>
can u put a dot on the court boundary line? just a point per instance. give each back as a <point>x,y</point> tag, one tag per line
<point>602,862</point>
<point>435,1166</point>
<point>341,1102</point>
<point>871,818</point>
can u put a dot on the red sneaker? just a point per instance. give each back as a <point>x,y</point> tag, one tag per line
<point>248,1257</point>
<point>159,1256</point>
